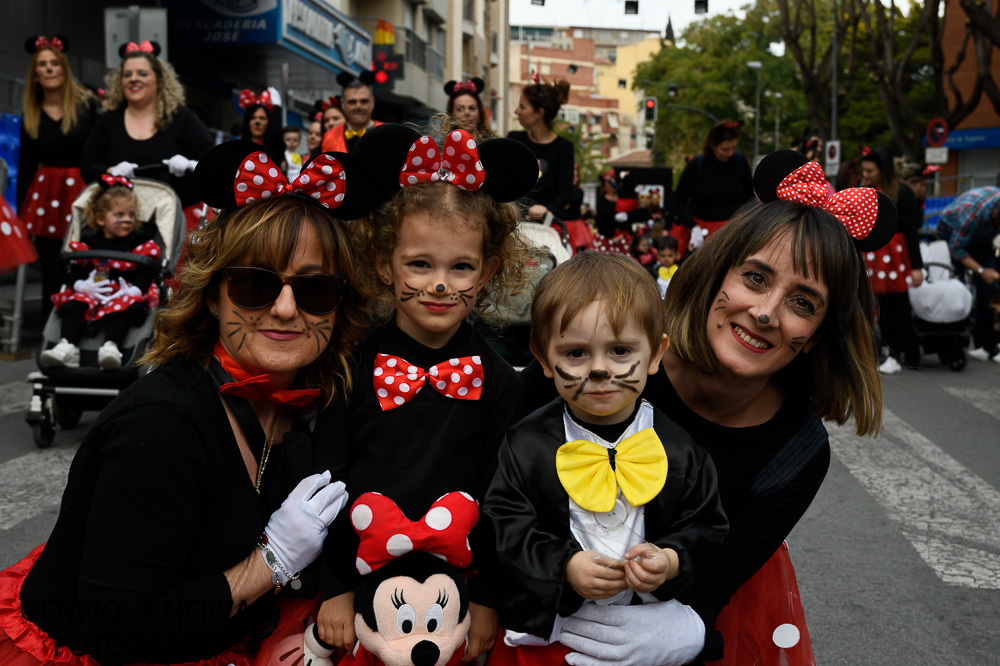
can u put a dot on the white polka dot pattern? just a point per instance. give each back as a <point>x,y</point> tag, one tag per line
<point>386,533</point>
<point>855,207</point>
<point>118,301</point>
<point>259,181</point>
<point>425,165</point>
<point>397,381</point>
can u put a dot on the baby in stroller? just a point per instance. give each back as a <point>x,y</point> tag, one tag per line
<point>112,294</point>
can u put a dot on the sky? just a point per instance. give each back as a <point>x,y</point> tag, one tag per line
<point>611,13</point>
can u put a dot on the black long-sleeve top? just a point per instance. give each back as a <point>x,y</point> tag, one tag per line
<point>52,147</point>
<point>418,451</point>
<point>109,143</point>
<point>757,523</point>
<point>711,190</point>
<point>911,218</point>
<point>554,188</point>
<point>157,505</point>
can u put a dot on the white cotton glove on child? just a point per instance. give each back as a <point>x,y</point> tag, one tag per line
<point>296,531</point>
<point>275,95</point>
<point>96,290</point>
<point>698,236</point>
<point>125,169</point>
<point>621,217</point>
<point>666,633</point>
<point>178,165</point>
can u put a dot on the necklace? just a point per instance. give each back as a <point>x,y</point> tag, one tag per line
<point>267,452</point>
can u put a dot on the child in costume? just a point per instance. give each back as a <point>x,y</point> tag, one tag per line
<point>430,399</point>
<point>291,135</point>
<point>666,262</point>
<point>598,497</point>
<point>113,293</point>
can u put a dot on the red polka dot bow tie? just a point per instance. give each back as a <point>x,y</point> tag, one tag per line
<point>107,180</point>
<point>458,164</point>
<point>387,534</point>
<point>397,381</point>
<point>248,98</point>
<point>54,42</point>
<point>856,207</point>
<point>145,46</point>
<point>258,177</point>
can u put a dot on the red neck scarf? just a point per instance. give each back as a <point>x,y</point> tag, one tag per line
<point>260,387</point>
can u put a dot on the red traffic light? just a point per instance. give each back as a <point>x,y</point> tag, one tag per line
<point>650,104</point>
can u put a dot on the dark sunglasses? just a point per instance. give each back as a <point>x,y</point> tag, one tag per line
<point>255,288</point>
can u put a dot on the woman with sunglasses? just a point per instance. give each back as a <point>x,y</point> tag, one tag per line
<point>190,500</point>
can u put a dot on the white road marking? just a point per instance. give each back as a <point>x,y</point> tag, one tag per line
<point>32,483</point>
<point>949,514</point>
<point>985,400</point>
<point>14,397</point>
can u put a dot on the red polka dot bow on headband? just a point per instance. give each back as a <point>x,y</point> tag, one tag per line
<point>145,46</point>
<point>855,207</point>
<point>387,534</point>
<point>107,180</point>
<point>54,42</point>
<point>248,98</point>
<point>469,86</point>
<point>459,163</point>
<point>397,381</point>
<point>258,177</point>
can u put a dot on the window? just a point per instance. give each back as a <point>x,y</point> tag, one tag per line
<point>613,120</point>
<point>569,115</point>
<point>623,84</point>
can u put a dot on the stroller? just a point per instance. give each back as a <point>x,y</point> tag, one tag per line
<point>941,307</point>
<point>61,394</point>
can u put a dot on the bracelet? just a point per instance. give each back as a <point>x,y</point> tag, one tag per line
<point>980,271</point>
<point>276,567</point>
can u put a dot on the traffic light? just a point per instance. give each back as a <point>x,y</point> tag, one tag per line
<point>700,6</point>
<point>649,108</point>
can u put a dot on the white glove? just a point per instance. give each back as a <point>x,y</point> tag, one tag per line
<point>621,217</point>
<point>697,237</point>
<point>296,531</point>
<point>124,289</point>
<point>178,165</point>
<point>126,169</point>
<point>93,289</point>
<point>275,95</point>
<point>666,633</point>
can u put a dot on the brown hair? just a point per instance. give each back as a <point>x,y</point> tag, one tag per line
<point>169,91</point>
<point>837,379</point>
<point>482,129</point>
<point>722,131</point>
<point>548,97</point>
<point>446,202</point>
<point>264,233</point>
<point>628,291</point>
<point>882,159</point>
<point>73,96</point>
<point>100,203</point>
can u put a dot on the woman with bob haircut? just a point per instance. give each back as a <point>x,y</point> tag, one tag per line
<point>193,496</point>
<point>770,330</point>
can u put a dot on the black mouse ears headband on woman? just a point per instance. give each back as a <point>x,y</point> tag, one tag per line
<point>58,42</point>
<point>473,86</point>
<point>868,215</point>
<point>145,46</point>
<point>335,181</point>
<point>398,156</point>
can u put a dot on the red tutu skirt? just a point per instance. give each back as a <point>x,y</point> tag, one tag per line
<point>526,655</point>
<point>48,204</point>
<point>15,246</point>
<point>22,643</point>
<point>764,623</point>
<point>889,268</point>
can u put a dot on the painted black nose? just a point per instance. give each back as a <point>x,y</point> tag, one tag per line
<point>424,653</point>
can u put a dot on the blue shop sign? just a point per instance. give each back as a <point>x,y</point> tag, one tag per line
<point>224,21</point>
<point>315,30</point>
<point>986,137</point>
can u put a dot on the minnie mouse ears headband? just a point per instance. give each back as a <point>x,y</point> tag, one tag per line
<point>145,46</point>
<point>366,77</point>
<point>868,215</point>
<point>58,42</point>
<point>324,104</point>
<point>248,98</point>
<point>335,181</point>
<point>107,180</point>
<point>471,87</point>
<point>398,156</point>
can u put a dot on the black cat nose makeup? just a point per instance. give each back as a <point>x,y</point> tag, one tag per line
<point>439,289</point>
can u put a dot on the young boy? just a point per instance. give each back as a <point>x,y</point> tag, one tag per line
<point>292,136</point>
<point>666,261</point>
<point>598,497</point>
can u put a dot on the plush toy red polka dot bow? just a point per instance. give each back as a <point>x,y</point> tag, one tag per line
<point>855,207</point>
<point>107,180</point>
<point>397,381</point>
<point>458,164</point>
<point>386,533</point>
<point>259,177</point>
<point>248,98</point>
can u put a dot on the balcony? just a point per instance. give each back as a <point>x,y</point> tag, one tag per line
<point>415,47</point>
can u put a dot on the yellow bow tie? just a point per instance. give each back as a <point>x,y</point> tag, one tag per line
<point>591,474</point>
<point>350,134</point>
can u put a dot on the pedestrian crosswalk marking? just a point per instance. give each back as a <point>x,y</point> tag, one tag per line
<point>985,400</point>
<point>949,514</point>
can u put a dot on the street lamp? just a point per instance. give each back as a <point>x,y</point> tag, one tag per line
<point>777,120</point>
<point>756,64</point>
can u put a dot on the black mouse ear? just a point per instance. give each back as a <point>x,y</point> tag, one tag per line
<point>511,169</point>
<point>480,84</point>
<point>449,88</point>
<point>30,45</point>
<point>359,198</point>
<point>886,223</point>
<point>773,169</point>
<point>215,175</point>
<point>344,78</point>
<point>367,77</point>
<point>156,48</point>
<point>384,149</point>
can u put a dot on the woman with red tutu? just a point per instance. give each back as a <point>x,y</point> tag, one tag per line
<point>58,115</point>
<point>15,246</point>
